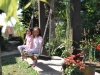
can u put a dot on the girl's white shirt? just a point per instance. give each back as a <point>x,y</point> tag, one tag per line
<point>37,43</point>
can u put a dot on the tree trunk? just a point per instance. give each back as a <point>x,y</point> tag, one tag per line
<point>68,30</point>
<point>52,34</point>
<point>76,22</point>
<point>51,25</point>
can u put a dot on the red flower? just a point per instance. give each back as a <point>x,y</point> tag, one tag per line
<point>98,47</point>
<point>68,63</point>
<point>82,67</point>
<point>73,56</point>
<point>77,61</point>
<point>73,61</point>
<point>79,54</point>
<point>94,43</point>
<point>70,58</point>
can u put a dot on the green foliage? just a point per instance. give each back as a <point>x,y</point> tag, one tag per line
<point>73,70</point>
<point>26,13</point>
<point>89,49</point>
<point>60,11</point>
<point>90,13</point>
<point>20,30</point>
<point>10,8</point>
<point>57,44</point>
<point>31,6</point>
<point>62,44</point>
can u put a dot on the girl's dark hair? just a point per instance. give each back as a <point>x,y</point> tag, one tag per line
<point>31,30</point>
<point>39,30</point>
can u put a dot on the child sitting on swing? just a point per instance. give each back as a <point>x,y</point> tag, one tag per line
<point>28,45</point>
<point>37,45</point>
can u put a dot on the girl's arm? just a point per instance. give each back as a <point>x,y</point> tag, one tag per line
<point>31,44</point>
<point>41,41</point>
<point>25,39</point>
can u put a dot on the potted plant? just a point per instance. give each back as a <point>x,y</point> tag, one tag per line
<point>90,68</point>
<point>89,48</point>
<point>73,65</point>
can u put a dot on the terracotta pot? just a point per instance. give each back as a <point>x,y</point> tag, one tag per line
<point>89,69</point>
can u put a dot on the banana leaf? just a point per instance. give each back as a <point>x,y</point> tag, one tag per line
<point>10,8</point>
<point>45,1</point>
<point>33,2</point>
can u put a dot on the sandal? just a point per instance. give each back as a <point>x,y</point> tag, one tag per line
<point>22,58</point>
<point>34,63</point>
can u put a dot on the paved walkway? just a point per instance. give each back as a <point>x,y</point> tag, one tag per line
<point>51,67</point>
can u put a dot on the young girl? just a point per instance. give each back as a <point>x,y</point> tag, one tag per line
<point>29,43</point>
<point>37,45</point>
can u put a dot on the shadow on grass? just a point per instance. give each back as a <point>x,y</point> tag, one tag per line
<point>8,60</point>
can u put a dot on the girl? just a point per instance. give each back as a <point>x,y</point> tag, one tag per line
<point>29,43</point>
<point>37,45</point>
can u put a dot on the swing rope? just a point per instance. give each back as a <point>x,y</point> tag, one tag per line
<point>47,24</point>
<point>32,17</point>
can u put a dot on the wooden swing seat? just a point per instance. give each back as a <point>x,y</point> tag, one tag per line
<point>42,57</point>
<point>39,56</point>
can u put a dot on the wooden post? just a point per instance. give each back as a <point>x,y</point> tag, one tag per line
<point>41,14</point>
<point>76,22</point>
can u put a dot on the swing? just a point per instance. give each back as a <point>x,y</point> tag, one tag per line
<point>40,55</point>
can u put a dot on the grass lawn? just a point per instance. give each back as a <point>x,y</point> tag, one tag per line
<point>12,65</point>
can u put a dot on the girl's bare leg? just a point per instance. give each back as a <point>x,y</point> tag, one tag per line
<point>32,57</point>
<point>34,60</point>
<point>23,57</point>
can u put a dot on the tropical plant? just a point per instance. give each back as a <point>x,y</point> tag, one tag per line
<point>61,44</point>
<point>10,8</point>
<point>89,49</point>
